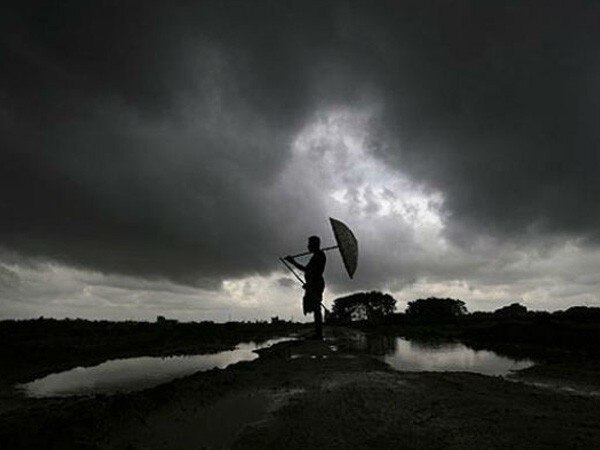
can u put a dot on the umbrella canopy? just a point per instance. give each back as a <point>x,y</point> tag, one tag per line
<point>347,244</point>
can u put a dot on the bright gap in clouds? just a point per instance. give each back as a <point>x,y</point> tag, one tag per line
<point>333,161</point>
<point>333,172</point>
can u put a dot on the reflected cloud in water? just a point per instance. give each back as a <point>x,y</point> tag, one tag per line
<point>438,356</point>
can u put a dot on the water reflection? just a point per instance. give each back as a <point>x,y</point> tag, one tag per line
<point>133,374</point>
<point>436,356</point>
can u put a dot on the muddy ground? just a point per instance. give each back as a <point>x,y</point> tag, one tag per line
<point>309,394</point>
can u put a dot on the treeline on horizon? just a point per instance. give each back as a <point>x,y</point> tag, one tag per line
<point>157,332</point>
<point>375,306</point>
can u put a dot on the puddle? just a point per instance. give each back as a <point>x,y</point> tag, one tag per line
<point>134,374</point>
<point>405,355</point>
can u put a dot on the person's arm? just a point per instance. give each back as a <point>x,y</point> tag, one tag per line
<point>291,260</point>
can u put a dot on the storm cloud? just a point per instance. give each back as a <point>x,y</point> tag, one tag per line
<point>195,142</point>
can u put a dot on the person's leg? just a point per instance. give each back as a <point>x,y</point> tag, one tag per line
<point>318,322</point>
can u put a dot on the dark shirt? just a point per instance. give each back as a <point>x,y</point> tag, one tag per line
<point>313,273</point>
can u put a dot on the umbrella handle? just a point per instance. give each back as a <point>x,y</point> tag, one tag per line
<point>333,247</point>
<point>291,270</point>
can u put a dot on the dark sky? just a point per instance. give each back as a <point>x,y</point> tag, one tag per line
<point>157,157</point>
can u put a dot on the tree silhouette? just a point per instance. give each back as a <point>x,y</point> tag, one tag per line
<point>371,306</point>
<point>513,310</point>
<point>434,307</point>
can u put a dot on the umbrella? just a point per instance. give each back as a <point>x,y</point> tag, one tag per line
<point>346,243</point>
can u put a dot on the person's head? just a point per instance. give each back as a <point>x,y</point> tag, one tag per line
<point>314,243</point>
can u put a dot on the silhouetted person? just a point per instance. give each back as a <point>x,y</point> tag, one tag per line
<point>314,282</point>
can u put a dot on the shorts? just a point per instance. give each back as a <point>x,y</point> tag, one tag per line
<point>312,298</point>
